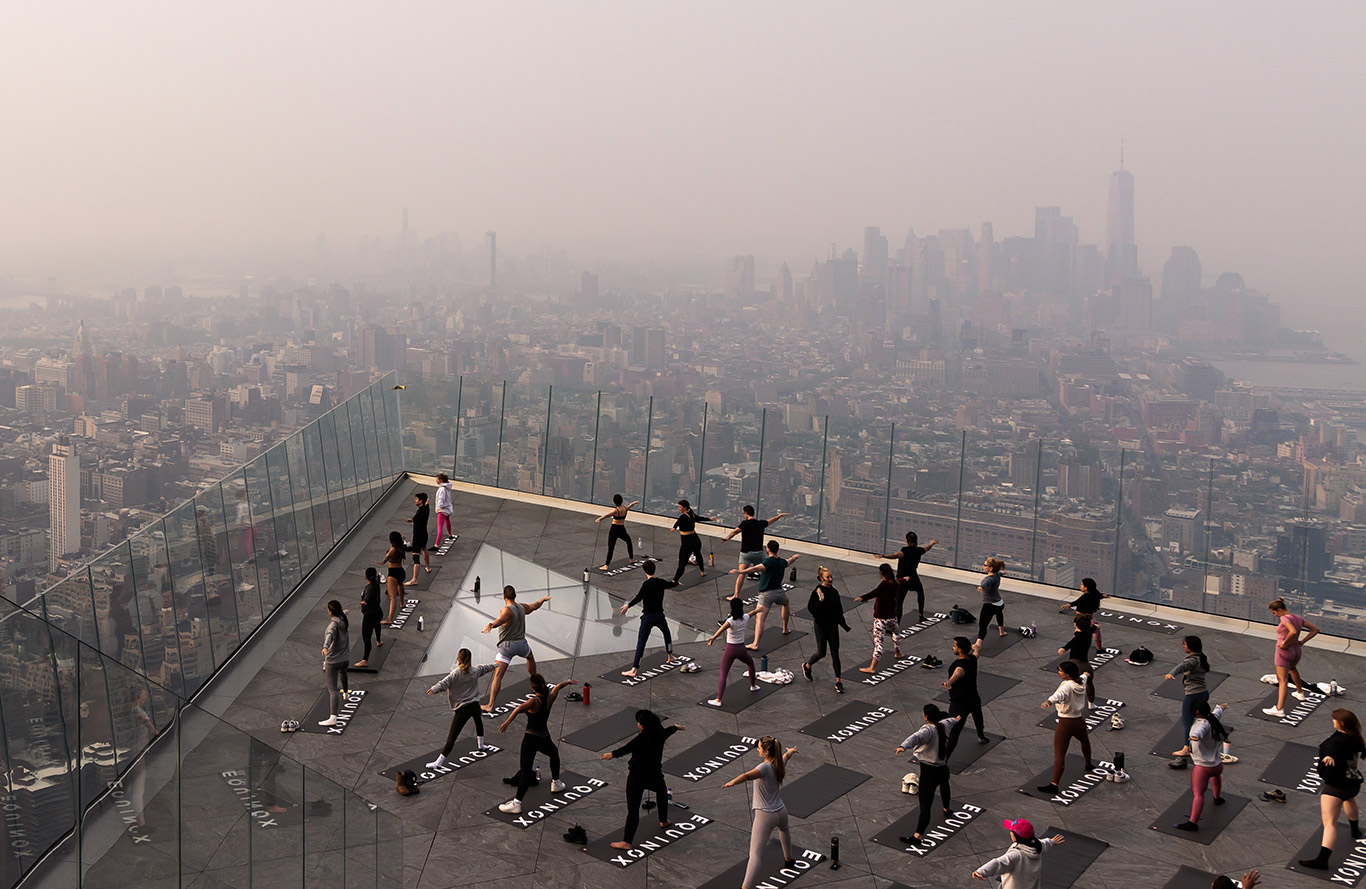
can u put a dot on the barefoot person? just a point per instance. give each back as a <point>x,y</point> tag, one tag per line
<point>511,627</point>
<point>827,614</point>
<point>371,613</point>
<point>751,531</point>
<point>393,562</point>
<point>1021,867</point>
<point>536,740</point>
<point>1088,603</point>
<point>336,655</point>
<point>884,615</point>
<point>964,699</point>
<point>461,686</point>
<point>419,545</point>
<point>1078,651</point>
<point>929,744</point>
<point>1070,699</point>
<point>617,530</point>
<point>1193,670</point>
<point>689,544</point>
<point>734,628</point>
<point>908,572</point>
<point>770,813</point>
<point>1292,632</point>
<point>644,772</point>
<point>1339,767</point>
<point>992,603</point>
<point>651,600</point>
<point>1207,737</point>
<point>771,590</point>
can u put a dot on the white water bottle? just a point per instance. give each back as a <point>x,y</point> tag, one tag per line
<point>640,544</point>
<point>421,623</point>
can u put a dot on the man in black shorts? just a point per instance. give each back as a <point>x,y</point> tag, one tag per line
<point>751,531</point>
<point>419,544</point>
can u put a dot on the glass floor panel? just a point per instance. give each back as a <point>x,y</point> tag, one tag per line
<point>576,621</point>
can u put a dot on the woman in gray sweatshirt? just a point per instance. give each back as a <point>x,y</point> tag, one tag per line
<point>1021,867</point>
<point>461,686</point>
<point>336,655</point>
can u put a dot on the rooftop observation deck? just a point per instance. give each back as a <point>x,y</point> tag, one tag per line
<point>541,546</point>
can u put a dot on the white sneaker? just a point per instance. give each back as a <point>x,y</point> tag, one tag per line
<point>1227,759</point>
<point>715,702</point>
<point>1272,711</point>
<point>1298,695</point>
<point>437,763</point>
<point>556,786</point>
<point>484,747</point>
<point>754,687</point>
<point>329,721</point>
<point>511,807</point>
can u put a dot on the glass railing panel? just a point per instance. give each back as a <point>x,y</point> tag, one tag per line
<point>730,462</point>
<point>924,501</point>
<point>858,454</point>
<point>571,444</point>
<point>997,515</point>
<point>363,850</point>
<point>263,546</point>
<point>117,606</point>
<point>522,466</point>
<point>478,429</point>
<point>346,451</point>
<point>286,515</point>
<point>194,642</point>
<point>297,472</point>
<point>220,814</point>
<point>792,466</point>
<point>219,580</point>
<point>383,452</point>
<point>315,472</point>
<point>334,475</point>
<point>71,607</point>
<point>622,424</point>
<point>247,571</point>
<point>155,594</point>
<point>361,443</point>
<point>277,791</point>
<point>675,466</point>
<point>324,840</point>
<point>394,419</point>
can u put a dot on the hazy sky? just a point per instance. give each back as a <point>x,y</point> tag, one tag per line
<point>650,128</point>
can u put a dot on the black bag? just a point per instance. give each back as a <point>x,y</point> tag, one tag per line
<point>1140,656</point>
<point>962,615</point>
<point>406,783</point>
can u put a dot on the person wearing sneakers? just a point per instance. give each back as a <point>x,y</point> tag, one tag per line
<point>884,598</point>
<point>1292,632</point>
<point>617,530</point>
<point>1339,766</point>
<point>1088,603</point>
<point>770,813</point>
<point>751,531</point>
<point>771,590</point>
<point>908,572</point>
<point>827,614</point>
<point>929,744</point>
<point>1022,865</point>
<point>644,772</point>
<point>964,700</point>
<point>689,544</point>
<point>1078,650</point>
<point>536,740</point>
<point>371,613</point>
<point>511,627</point>
<point>1070,700</point>
<point>461,686</point>
<point>992,603</point>
<point>336,657</point>
<point>445,508</point>
<point>734,628</point>
<point>1193,670</point>
<point>651,599</point>
<point>1207,736</point>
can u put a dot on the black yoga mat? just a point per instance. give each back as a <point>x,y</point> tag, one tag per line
<point>1175,738</point>
<point>774,638</point>
<point>692,579</point>
<point>1296,711</point>
<point>1172,689</point>
<point>848,603</point>
<point>1098,660</point>
<point>1108,619</point>
<point>509,696</point>
<point>1212,820</point>
<point>618,567</point>
<point>606,731</point>
<point>652,666</point>
<point>712,755</point>
<point>819,788</point>
<point>462,757</point>
<point>937,834</point>
<point>1075,783</point>
<point>771,868</point>
<point>650,838</point>
<point>424,577</point>
<point>540,803</point>
<point>738,696</point>
<point>1191,878</point>
<point>1295,767</point>
<point>446,543</point>
<point>969,751</point>
<point>1064,864</point>
<point>846,722</point>
<point>994,644</point>
<point>1336,872</point>
<point>378,655</point>
<point>322,707</point>
<point>989,686</point>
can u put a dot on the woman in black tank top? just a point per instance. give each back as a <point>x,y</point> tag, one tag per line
<point>617,530</point>
<point>536,740</point>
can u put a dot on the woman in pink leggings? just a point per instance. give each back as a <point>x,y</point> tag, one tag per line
<point>734,628</point>
<point>444,508</point>
<point>1207,737</point>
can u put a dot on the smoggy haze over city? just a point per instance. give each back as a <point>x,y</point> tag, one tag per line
<point>624,131</point>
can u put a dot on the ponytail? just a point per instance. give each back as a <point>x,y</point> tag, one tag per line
<point>936,716</point>
<point>1201,709</point>
<point>773,755</point>
<point>1197,648</point>
<point>462,660</point>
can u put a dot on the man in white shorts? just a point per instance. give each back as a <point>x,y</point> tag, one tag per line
<point>511,626</point>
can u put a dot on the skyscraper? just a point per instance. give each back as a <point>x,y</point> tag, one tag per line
<point>874,256</point>
<point>63,501</point>
<point>493,259</point>
<point>1121,256</point>
<point>1181,276</point>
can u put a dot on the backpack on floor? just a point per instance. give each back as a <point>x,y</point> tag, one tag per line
<point>962,615</point>
<point>1139,657</point>
<point>406,783</point>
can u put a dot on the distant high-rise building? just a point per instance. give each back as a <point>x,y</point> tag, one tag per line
<point>1135,300</point>
<point>986,278</point>
<point>493,259</point>
<point>64,501</point>
<point>740,278</point>
<point>1181,276</point>
<point>1055,252</point>
<point>588,286</point>
<point>874,256</point>
<point>1121,256</point>
<point>638,337</point>
<point>784,292</point>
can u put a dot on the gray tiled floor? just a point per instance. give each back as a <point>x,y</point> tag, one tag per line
<point>449,842</point>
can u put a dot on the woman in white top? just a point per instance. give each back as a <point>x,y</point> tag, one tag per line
<point>769,811</point>
<point>929,744</point>
<point>462,693</point>
<point>1070,699</point>
<point>1022,865</point>
<point>734,628</point>
<point>1207,737</point>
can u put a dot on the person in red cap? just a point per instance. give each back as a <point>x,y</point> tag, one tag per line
<point>1021,867</point>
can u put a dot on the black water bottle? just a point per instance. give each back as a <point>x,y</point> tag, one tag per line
<point>476,583</point>
<point>834,853</point>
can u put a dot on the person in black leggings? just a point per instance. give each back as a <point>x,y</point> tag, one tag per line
<point>536,740</point>
<point>371,613</point>
<point>992,603</point>
<point>645,772</point>
<point>827,613</point>
<point>617,530</point>
<point>929,745</point>
<point>1078,651</point>
<point>964,699</point>
<point>908,572</point>
<point>689,544</point>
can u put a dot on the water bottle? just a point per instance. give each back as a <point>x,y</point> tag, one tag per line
<point>586,689</point>
<point>711,560</point>
<point>763,664</point>
<point>476,583</point>
<point>670,796</point>
<point>794,575</point>
<point>585,577</point>
<point>421,623</point>
<point>834,853</point>
<point>538,773</point>
<point>640,544</point>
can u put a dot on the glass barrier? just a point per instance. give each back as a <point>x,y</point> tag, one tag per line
<point>571,444</point>
<point>521,463</point>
